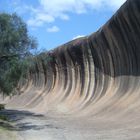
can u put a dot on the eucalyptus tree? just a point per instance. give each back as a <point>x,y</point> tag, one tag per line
<point>15,46</point>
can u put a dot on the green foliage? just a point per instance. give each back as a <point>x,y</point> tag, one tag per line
<point>15,46</point>
<point>12,75</point>
<point>14,38</point>
<point>3,117</point>
<point>45,57</point>
<point>2,106</point>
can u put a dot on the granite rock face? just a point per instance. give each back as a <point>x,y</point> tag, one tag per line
<point>94,75</point>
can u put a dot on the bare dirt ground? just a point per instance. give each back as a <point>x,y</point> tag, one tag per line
<point>23,125</point>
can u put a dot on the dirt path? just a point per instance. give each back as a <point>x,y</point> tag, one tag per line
<point>28,126</point>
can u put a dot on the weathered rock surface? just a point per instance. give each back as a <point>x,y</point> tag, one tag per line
<point>97,74</point>
<point>96,77</point>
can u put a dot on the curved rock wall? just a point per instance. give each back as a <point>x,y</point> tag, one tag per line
<point>96,75</point>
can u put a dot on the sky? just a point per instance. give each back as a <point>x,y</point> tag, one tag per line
<point>55,22</point>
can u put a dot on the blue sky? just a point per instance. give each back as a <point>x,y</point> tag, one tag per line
<point>55,22</point>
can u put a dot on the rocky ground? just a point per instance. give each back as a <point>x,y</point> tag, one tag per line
<point>23,125</point>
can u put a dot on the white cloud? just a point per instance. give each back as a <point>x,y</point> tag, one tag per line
<point>115,4</point>
<point>53,29</point>
<point>40,19</point>
<point>49,10</point>
<point>78,36</point>
<point>77,6</point>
